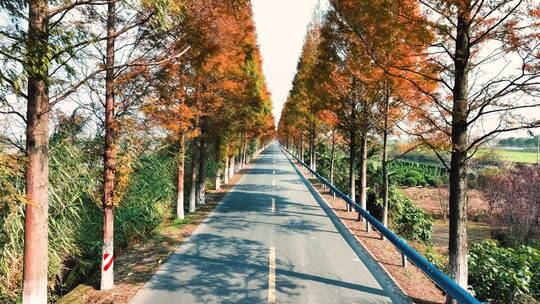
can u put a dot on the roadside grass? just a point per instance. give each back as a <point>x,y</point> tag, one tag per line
<point>187,220</point>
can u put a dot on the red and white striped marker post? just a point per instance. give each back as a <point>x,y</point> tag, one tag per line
<point>107,266</point>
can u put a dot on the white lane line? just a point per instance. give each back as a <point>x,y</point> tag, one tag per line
<point>272,276</point>
<point>273,171</point>
<point>273,204</point>
<point>273,182</point>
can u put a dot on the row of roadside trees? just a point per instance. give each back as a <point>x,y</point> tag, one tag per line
<point>189,71</point>
<point>450,75</point>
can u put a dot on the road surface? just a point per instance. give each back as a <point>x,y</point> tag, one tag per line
<point>270,240</point>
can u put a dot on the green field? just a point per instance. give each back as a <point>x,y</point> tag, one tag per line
<point>514,156</point>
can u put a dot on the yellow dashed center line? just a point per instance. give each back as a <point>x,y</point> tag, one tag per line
<point>272,276</point>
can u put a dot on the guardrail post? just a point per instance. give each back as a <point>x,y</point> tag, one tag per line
<point>368,227</point>
<point>404,260</point>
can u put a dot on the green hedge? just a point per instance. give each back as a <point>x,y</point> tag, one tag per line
<point>416,174</point>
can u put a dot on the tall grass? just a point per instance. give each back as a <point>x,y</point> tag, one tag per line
<point>75,217</point>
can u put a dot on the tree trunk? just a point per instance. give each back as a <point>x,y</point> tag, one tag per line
<point>181,165</point>
<point>363,169</point>
<point>244,151</point>
<point>219,159</point>
<point>193,188</point>
<point>231,168</point>
<point>202,166</point>
<point>302,146</point>
<point>240,161</point>
<point>107,274</point>
<point>332,156</point>
<point>352,164</point>
<point>314,156</point>
<point>226,173</point>
<point>310,151</point>
<point>109,156</point>
<point>218,179</point>
<point>247,157</point>
<point>457,246</point>
<point>37,147</point>
<point>244,154</point>
<point>385,159</point>
<point>238,166</point>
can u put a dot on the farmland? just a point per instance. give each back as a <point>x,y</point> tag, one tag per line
<point>513,156</point>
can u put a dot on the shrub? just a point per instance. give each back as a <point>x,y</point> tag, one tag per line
<point>514,204</point>
<point>414,174</point>
<point>504,275</point>
<point>417,176</point>
<point>412,223</point>
<point>486,175</point>
<point>410,181</point>
<point>440,261</point>
<point>434,181</point>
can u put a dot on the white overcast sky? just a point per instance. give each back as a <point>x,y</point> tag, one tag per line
<point>281,28</point>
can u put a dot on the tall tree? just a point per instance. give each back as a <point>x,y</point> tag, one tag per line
<point>384,37</point>
<point>123,25</point>
<point>353,92</point>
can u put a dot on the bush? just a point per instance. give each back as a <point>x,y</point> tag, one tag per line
<point>504,275</point>
<point>434,181</point>
<point>514,204</point>
<point>440,261</point>
<point>424,174</point>
<point>410,181</point>
<point>414,174</point>
<point>486,175</point>
<point>418,178</point>
<point>411,222</point>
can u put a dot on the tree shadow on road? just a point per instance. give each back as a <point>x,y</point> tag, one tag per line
<point>215,268</point>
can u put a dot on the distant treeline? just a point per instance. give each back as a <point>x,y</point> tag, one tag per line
<point>520,142</point>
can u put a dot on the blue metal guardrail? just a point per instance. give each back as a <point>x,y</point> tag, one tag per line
<point>443,281</point>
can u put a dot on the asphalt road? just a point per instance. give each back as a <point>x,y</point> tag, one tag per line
<point>270,240</point>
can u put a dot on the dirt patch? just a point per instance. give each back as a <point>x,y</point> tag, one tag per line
<point>476,232</point>
<point>411,279</point>
<point>434,199</point>
<point>139,262</point>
